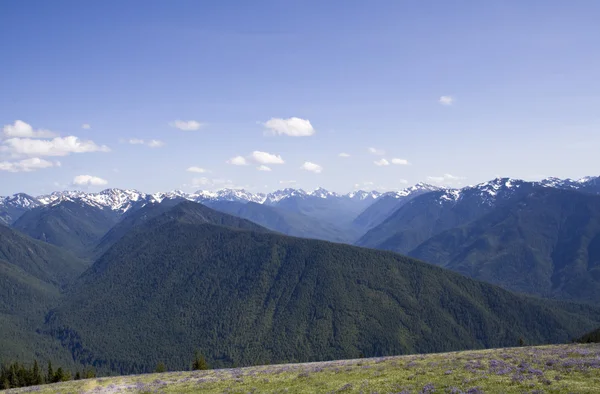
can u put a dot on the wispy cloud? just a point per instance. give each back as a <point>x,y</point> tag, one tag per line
<point>238,161</point>
<point>86,126</point>
<point>186,125</point>
<point>89,180</point>
<point>446,100</point>
<point>446,179</point>
<point>60,146</point>
<point>344,155</point>
<point>198,170</point>
<point>293,127</point>
<point>382,162</point>
<point>27,165</point>
<point>266,158</point>
<point>401,162</point>
<point>150,143</point>
<point>257,157</point>
<point>312,167</point>
<point>375,151</point>
<point>263,168</point>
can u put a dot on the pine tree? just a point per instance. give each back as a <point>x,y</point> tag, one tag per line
<point>77,376</point>
<point>160,368</point>
<point>89,373</point>
<point>58,375</point>
<point>199,363</point>
<point>50,376</point>
<point>36,377</point>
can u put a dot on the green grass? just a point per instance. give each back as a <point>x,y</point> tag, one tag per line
<point>573,368</point>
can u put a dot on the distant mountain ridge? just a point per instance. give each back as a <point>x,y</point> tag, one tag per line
<point>122,200</point>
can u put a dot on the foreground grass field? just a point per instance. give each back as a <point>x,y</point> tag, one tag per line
<point>545,369</point>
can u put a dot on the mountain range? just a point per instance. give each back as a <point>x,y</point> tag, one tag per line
<point>189,277</point>
<point>123,280</point>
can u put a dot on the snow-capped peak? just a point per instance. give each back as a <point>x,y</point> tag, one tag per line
<point>322,193</point>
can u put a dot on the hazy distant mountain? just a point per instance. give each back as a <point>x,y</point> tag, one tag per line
<point>73,225</point>
<point>429,214</point>
<point>286,222</point>
<point>387,203</point>
<point>546,244</point>
<point>178,282</point>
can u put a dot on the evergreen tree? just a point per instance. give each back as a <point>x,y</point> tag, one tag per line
<point>50,375</point>
<point>36,377</point>
<point>89,373</point>
<point>77,376</point>
<point>160,368</point>
<point>200,363</point>
<point>58,375</point>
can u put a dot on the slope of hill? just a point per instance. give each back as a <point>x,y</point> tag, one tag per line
<point>74,226</point>
<point>131,219</point>
<point>427,215</point>
<point>569,368</point>
<point>242,297</point>
<point>546,244</point>
<point>31,276</point>
<point>386,204</point>
<point>43,261</point>
<point>286,222</point>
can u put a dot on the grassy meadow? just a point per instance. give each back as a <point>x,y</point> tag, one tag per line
<point>572,368</point>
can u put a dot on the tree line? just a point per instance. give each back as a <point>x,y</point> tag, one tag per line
<point>16,374</point>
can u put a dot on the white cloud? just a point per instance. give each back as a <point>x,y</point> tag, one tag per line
<point>446,100</point>
<point>294,127</point>
<point>445,179</point>
<point>312,167</point>
<point>382,162</point>
<point>237,161</point>
<point>186,125</point>
<point>150,144</point>
<point>263,168</point>
<point>20,129</point>
<point>344,155</point>
<point>60,146</point>
<point>208,183</point>
<point>266,158</point>
<point>401,162</point>
<point>402,181</point>
<point>198,170</point>
<point>375,151</point>
<point>27,165</point>
<point>155,144</point>
<point>86,126</point>
<point>364,184</point>
<point>89,180</point>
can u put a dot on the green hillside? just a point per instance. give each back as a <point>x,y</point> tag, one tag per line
<point>546,244</point>
<point>31,275</point>
<point>177,283</point>
<point>74,226</point>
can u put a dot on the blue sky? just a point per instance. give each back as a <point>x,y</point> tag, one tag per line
<point>520,81</point>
